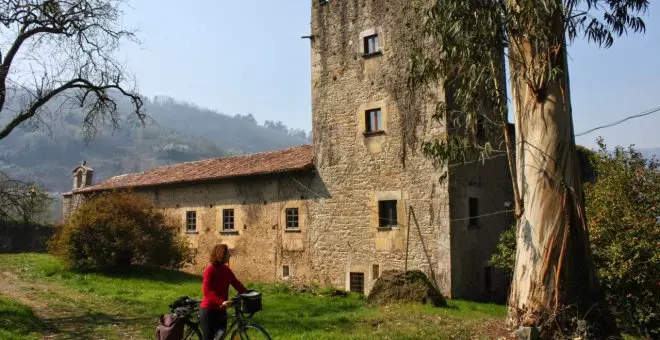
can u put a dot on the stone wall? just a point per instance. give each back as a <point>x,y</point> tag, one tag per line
<point>358,170</point>
<point>474,243</point>
<point>260,243</point>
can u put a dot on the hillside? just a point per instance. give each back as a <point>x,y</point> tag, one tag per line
<point>650,152</point>
<point>176,132</point>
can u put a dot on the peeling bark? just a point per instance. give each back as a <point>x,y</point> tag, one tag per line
<point>554,277</point>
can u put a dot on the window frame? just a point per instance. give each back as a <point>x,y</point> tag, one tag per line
<point>371,40</point>
<point>191,215</point>
<point>354,278</point>
<point>371,116</point>
<point>286,271</point>
<point>228,219</point>
<point>292,213</point>
<point>388,213</point>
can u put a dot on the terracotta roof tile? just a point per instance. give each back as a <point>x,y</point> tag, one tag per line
<point>280,161</point>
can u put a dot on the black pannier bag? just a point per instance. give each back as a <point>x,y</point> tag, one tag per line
<point>250,302</point>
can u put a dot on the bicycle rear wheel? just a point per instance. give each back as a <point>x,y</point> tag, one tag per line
<point>191,332</point>
<point>251,332</point>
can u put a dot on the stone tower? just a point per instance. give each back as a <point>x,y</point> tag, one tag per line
<point>386,207</point>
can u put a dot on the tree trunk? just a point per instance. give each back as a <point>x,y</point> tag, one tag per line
<point>554,278</point>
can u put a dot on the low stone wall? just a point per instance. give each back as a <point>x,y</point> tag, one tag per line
<point>16,237</point>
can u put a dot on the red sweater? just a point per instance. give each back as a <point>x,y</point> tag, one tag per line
<point>215,286</point>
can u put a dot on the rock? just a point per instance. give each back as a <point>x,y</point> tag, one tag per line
<point>528,333</point>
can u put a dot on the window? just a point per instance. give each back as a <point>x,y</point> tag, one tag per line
<point>387,214</point>
<point>373,121</point>
<point>371,44</point>
<point>292,218</point>
<point>285,271</point>
<point>191,221</point>
<point>474,211</point>
<point>227,219</point>
<point>375,271</point>
<point>356,281</point>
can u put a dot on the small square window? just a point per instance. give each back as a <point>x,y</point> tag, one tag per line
<point>191,221</point>
<point>474,211</point>
<point>285,271</point>
<point>292,218</point>
<point>387,214</point>
<point>375,271</point>
<point>357,282</point>
<point>373,121</point>
<point>371,44</point>
<point>228,219</point>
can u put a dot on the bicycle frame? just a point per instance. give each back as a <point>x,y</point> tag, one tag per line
<point>239,322</point>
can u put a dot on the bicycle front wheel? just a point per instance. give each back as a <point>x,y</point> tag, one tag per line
<point>251,331</point>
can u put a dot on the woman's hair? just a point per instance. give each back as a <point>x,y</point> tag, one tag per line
<point>218,253</point>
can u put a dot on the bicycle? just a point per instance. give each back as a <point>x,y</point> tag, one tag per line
<point>244,305</point>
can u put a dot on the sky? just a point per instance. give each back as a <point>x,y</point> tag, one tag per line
<point>239,57</point>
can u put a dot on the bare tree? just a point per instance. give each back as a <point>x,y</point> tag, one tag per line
<point>21,201</point>
<point>63,51</point>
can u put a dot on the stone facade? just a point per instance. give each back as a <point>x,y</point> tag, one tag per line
<point>372,201</point>
<point>360,168</point>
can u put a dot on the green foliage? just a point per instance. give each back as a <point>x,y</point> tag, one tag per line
<point>120,229</point>
<point>504,257</point>
<point>622,207</point>
<point>465,48</point>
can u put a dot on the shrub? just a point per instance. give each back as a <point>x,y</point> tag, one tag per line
<point>621,203</point>
<point>120,229</point>
<point>625,235</point>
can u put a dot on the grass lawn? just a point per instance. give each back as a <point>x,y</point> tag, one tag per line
<point>18,321</point>
<point>126,306</point>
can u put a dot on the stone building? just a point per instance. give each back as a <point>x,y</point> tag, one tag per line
<point>361,199</point>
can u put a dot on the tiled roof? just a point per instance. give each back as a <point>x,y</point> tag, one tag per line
<point>263,163</point>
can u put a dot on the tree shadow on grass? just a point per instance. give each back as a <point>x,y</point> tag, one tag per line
<point>90,325</point>
<point>23,321</point>
<point>147,273</point>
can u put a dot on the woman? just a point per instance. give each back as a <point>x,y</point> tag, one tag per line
<point>215,286</point>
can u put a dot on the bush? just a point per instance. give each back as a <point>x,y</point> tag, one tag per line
<point>120,229</point>
<point>624,231</point>
<point>625,235</point>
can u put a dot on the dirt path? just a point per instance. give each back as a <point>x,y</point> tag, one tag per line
<point>66,311</point>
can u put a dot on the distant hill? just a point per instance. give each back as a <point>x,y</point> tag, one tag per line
<point>650,153</point>
<point>178,132</point>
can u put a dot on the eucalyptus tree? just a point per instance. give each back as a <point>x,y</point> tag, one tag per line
<point>63,51</point>
<point>466,45</point>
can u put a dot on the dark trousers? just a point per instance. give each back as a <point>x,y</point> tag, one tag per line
<point>211,321</point>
